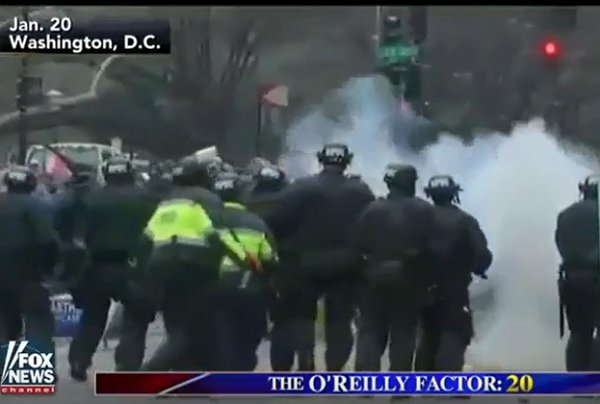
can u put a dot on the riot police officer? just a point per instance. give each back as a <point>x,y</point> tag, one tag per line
<point>267,182</point>
<point>69,207</point>
<point>114,218</point>
<point>269,179</point>
<point>29,250</point>
<point>178,256</point>
<point>69,222</point>
<point>312,222</point>
<point>459,251</point>
<point>160,179</point>
<point>576,238</point>
<point>242,299</point>
<point>394,235</point>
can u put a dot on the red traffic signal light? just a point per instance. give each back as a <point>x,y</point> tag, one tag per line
<point>551,48</point>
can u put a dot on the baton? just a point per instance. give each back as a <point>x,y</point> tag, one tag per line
<point>561,303</point>
<point>561,314</point>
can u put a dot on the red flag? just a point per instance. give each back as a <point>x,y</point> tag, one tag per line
<point>57,168</point>
<point>274,95</point>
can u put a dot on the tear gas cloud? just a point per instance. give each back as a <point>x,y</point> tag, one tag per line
<point>514,186</point>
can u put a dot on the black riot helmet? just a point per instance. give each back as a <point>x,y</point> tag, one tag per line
<point>155,171</point>
<point>335,154</point>
<point>589,187</point>
<point>192,174</point>
<point>269,179</point>
<point>230,187</point>
<point>166,165</point>
<point>164,170</point>
<point>442,189</point>
<point>118,171</point>
<point>20,180</point>
<point>401,178</point>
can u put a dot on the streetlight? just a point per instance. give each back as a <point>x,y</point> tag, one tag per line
<point>22,97</point>
<point>378,13</point>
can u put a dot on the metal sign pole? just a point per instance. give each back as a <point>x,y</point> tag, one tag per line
<point>259,127</point>
<point>378,12</point>
<point>23,97</point>
<point>599,216</point>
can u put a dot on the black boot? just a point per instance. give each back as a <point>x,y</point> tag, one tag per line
<point>79,373</point>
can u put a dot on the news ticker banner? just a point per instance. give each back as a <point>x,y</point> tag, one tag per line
<point>67,37</point>
<point>181,384</point>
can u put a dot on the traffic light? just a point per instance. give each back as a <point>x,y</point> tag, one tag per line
<point>399,56</point>
<point>551,54</point>
<point>551,49</point>
<point>391,28</point>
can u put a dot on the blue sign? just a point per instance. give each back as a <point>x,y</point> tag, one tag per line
<point>66,315</point>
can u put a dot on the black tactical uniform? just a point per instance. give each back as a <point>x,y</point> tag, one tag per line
<point>579,282</point>
<point>180,271</point>
<point>69,221</point>
<point>114,218</point>
<point>394,235</point>
<point>459,251</point>
<point>29,251</point>
<point>312,222</point>
<point>242,299</point>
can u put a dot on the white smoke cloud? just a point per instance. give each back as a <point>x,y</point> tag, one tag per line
<point>515,185</point>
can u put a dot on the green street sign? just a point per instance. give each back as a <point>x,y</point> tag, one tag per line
<point>398,53</point>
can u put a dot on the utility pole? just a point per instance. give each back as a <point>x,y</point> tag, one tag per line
<point>23,97</point>
<point>377,26</point>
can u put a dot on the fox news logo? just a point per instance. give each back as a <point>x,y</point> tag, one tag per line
<point>26,370</point>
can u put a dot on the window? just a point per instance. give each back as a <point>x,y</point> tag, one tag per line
<point>39,155</point>
<point>81,155</point>
<point>106,155</point>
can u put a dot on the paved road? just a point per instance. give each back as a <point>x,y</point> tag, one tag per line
<point>69,392</point>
